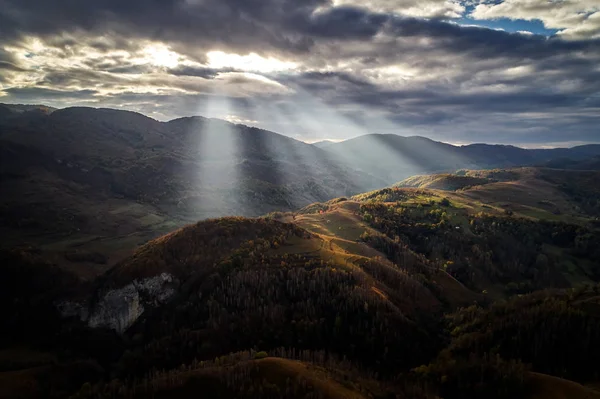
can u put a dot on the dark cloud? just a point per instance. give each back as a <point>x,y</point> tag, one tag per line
<point>202,72</point>
<point>8,61</point>
<point>482,41</point>
<point>319,78</point>
<point>230,23</point>
<point>129,69</point>
<point>32,94</point>
<point>466,81</point>
<point>10,66</point>
<point>341,22</point>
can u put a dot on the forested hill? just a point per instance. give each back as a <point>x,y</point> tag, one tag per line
<point>104,173</point>
<point>399,292</point>
<point>113,179</point>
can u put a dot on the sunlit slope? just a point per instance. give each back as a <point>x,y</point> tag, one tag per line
<point>477,233</point>
<point>330,240</point>
<point>541,193</point>
<point>260,269</point>
<point>341,227</point>
<point>442,182</point>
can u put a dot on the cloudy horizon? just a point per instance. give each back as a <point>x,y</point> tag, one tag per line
<point>522,72</point>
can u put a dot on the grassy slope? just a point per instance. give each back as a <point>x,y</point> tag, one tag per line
<point>340,227</point>
<point>529,192</point>
<point>442,181</point>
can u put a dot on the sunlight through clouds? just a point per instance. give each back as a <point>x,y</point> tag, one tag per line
<point>408,67</point>
<point>413,8</point>
<point>249,63</point>
<point>218,157</point>
<point>160,55</point>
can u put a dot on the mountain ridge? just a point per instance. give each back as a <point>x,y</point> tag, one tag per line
<point>15,107</point>
<point>143,177</point>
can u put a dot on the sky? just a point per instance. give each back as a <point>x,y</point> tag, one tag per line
<point>524,72</point>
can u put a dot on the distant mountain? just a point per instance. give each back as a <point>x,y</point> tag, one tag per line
<point>395,158</point>
<point>592,163</point>
<point>21,108</point>
<point>102,172</point>
<point>323,143</point>
<point>109,180</point>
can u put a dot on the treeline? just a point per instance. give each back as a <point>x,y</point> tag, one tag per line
<point>557,332</point>
<point>279,301</point>
<point>391,194</point>
<point>520,254</point>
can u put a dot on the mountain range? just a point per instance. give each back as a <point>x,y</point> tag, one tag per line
<point>115,179</point>
<point>394,157</point>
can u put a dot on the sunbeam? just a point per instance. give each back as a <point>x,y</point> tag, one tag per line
<point>217,178</point>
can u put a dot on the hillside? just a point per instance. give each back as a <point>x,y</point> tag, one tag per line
<point>409,292</point>
<point>139,283</point>
<point>592,163</point>
<point>104,181</point>
<point>88,186</point>
<point>555,194</point>
<point>7,109</point>
<point>444,181</point>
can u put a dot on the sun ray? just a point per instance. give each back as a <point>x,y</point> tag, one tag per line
<point>217,177</point>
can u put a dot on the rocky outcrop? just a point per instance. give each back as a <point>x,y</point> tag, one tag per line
<point>120,308</point>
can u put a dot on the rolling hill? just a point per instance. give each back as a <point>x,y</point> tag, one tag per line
<point>445,181</point>
<point>556,194</point>
<point>409,292</point>
<point>461,284</point>
<point>89,185</point>
<point>103,181</point>
<point>592,163</point>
